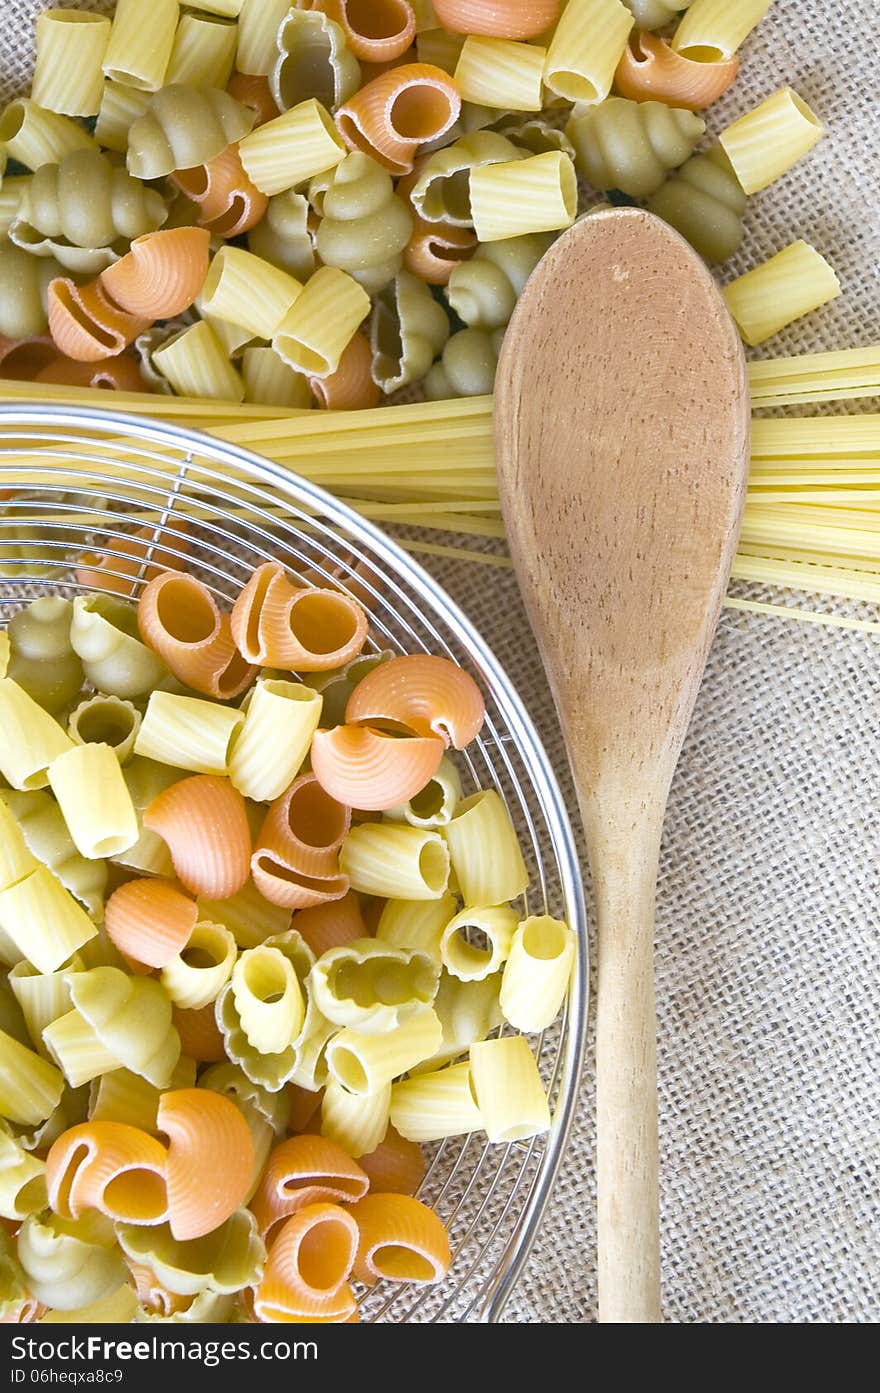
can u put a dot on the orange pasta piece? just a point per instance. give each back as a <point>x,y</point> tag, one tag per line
<point>435,248</point>
<point>253,90</point>
<point>228,202</point>
<point>304,1104</point>
<point>119,374</point>
<point>505,19</point>
<point>84,322</point>
<point>306,1276</point>
<point>419,693</point>
<point>371,770</point>
<point>295,863</point>
<point>331,925</point>
<point>316,630</point>
<point>651,70</point>
<point>109,1166</point>
<point>150,920</point>
<point>401,1240</point>
<point>210,1159</point>
<point>399,111</point>
<point>369,71</point>
<point>141,559</point>
<point>29,1311</point>
<point>200,1036</point>
<point>24,359</point>
<point>351,386</point>
<point>302,1171</point>
<point>204,822</point>
<point>162,273</point>
<point>179,619</point>
<point>258,609</point>
<point>155,1298</point>
<point>396,1167</point>
<point>377,31</point>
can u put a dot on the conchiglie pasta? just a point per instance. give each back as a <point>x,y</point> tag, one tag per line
<point>517,19</point>
<point>204,822</point>
<point>86,324</point>
<point>369,769</point>
<point>421,694</point>
<point>295,861</point>
<point>651,69</point>
<point>162,273</point>
<point>229,204</point>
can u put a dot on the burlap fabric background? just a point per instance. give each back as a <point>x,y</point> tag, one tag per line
<point>768,930</point>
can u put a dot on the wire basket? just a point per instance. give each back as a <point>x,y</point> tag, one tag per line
<point>82,481</point>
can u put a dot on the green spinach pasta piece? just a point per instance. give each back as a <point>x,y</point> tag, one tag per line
<point>704,201</point>
<point>632,146</point>
<point>467,366</point>
<point>46,836</point>
<point>484,291</point>
<point>42,660</point>
<point>184,127</point>
<point>69,1263</point>
<point>653,14</point>
<point>365,226</point>
<point>24,280</point>
<point>282,236</point>
<point>313,61</point>
<point>407,331</point>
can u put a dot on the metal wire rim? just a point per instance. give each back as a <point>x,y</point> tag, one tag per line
<point>493,1215</point>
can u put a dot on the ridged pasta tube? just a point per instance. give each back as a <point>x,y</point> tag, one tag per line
<point>467,367</point>
<point>42,660</point>
<point>484,291</point>
<point>407,330</point>
<point>184,127</point>
<point>24,281</point>
<point>653,14</point>
<point>704,201</point>
<point>632,146</point>
<point>46,836</point>
<point>441,193</point>
<point>365,226</point>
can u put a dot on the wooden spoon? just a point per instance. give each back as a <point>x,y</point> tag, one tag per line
<point>622,439</point>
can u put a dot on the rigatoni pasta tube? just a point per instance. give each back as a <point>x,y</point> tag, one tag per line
<point>791,284</point>
<point>432,1106</point>
<point>97,806</point>
<point>508,1089</point>
<point>537,973</point>
<point>34,136</point>
<point>30,1087</point>
<point>401,863</point>
<point>485,852</point>
<point>44,920</point>
<point>196,365</point>
<point>537,194</point>
<point>416,924</point>
<point>30,739</point>
<point>280,720</point>
<point>42,996</point>
<point>767,141</point>
<point>714,29</point>
<point>321,323</point>
<point>464,959</point>
<point>203,51</point>
<point>586,47</point>
<point>141,40</point>
<point>286,152</point>
<point>120,107</point>
<point>199,972</point>
<point>365,1063</point>
<point>356,1121</point>
<point>188,733</point>
<point>269,381</point>
<point>501,73</point>
<point>248,291</point>
<point>258,24</point>
<point>70,50</point>
<point>16,861</point>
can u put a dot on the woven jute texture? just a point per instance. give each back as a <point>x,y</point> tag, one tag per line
<point>768,950</point>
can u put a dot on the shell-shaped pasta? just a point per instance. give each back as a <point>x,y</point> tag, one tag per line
<point>85,324</point>
<point>351,386</point>
<point>162,273</point>
<point>283,237</point>
<point>224,1261</point>
<point>41,823</point>
<point>103,632</point>
<point>302,1171</point>
<point>651,69</point>
<point>314,60</point>
<point>268,999</point>
<point>179,619</point>
<point>704,201</point>
<point>395,1167</point>
<point>41,659</point>
<point>108,1166</point>
<point>67,1264</point>
<point>484,291</point>
<point>141,558</point>
<point>408,329</point>
<point>118,374</point>
<point>24,360</point>
<point>401,1240</point>
<point>632,146</point>
<point>331,925</point>
<point>24,282</point>
<point>315,630</point>
<point>420,694</point>
<point>229,204</point>
<point>467,367</point>
<point>257,612</point>
<point>150,920</point>
<point>365,226</point>
<point>184,127</point>
<point>131,1017</point>
<point>306,1276</point>
<point>204,822</point>
<point>195,977</point>
<point>209,1162</point>
<point>371,986</point>
<point>252,90</point>
<point>441,191</point>
<point>377,32</point>
<point>516,19</point>
<point>398,111</point>
<point>200,1036</point>
<point>368,769</point>
<point>87,202</point>
<point>296,859</point>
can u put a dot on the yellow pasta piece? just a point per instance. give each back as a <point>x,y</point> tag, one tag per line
<point>30,739</point>
<point>16,861</point>
<point>91,792</point>
<point>468,1012</point>
<point>43,920</point>
<point>280,720</point>
<point>536,194</point>
<point>74,1045</point>
<point>4,652</point>
<point>30,1087</point>
<point>203,52</point>
<point>485,852</point>
<point>224,1261</point>
<point>586,47</point>
<point>228,8</point>
<point>104,633</point>
<point>432,1106</point>
<point>466,959</point>
<point>258,24</point>
<point>42,996</point>
<point>131,1016</point>
<point>268,999</point>
<point>248,291</point>
<point>145,779</point>
<point>119,1308</point>
<point>121,1096</point>
<point>12,192</point>
<point>371,986</point>
<point>321,323</point>
<point>188,733</point>
<point>196,365</point>
<point>121,105</point>
<point>70,1263</point>
<point>249,917</point>
<point>200,971</point>
<point>365,1063</point>
<point>715,29</point>
<point>440,49</point>
<point>416,924</point>
<point>70,50</point>
<point>791,284</point>
<point>401,863</point>
<point>269,381</point>
<point>286,152</point>
<point>501,73</point>
<point>357,1122</point>
<point>141,41</point>
<point>537,972</point>
<point>768,140</point>
<point>34,136</point>
<point>22,1179</point>
<point>508,1089</point>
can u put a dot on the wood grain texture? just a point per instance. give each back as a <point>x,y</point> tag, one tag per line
<point>622,442</point>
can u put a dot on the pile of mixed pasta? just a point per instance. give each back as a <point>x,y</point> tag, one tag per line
<point>328,202</point>
<point>258,947</point>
